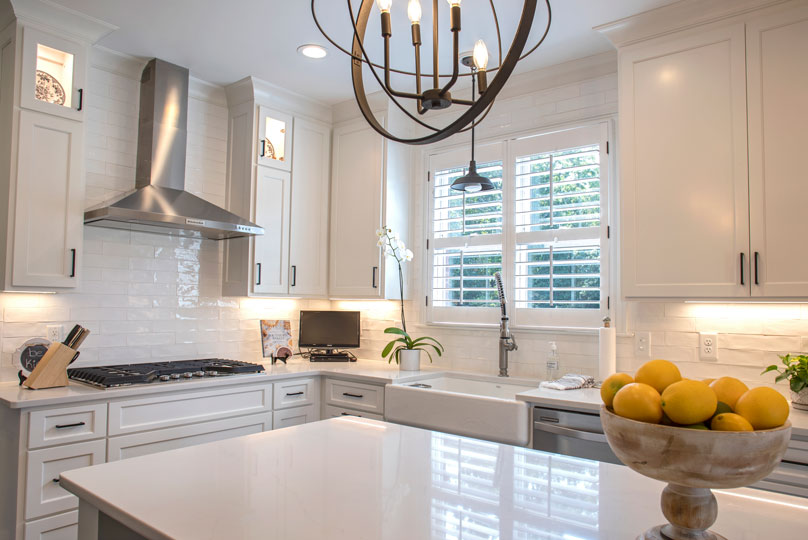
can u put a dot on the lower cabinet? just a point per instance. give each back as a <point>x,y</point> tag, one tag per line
<point>335,412</point>
<point>60,527</point>
<point>350,398</point>
<point>295,416</point>
<point>150,442</point>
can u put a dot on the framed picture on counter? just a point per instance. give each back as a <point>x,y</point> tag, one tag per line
<point>276,339</point>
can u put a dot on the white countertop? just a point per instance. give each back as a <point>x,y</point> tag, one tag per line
<point>586,399</point>
<point>14,396</point>
<point>356,479</point>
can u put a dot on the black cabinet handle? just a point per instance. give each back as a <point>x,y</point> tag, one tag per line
<point>63,426</point>
<point>294,393</point>
<point>375,269</point>
<point>263,147</point>
<point>349,414</point>
<point>294,275</point>
<point>743,257</point>
<point>73,263</point>
<point>81,99</point>
<point>258,281</point>
<point>352,395</point>
<point>55,480</point>
<point>757,270</point>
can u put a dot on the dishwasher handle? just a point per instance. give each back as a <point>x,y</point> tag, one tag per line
<point>568,432</point>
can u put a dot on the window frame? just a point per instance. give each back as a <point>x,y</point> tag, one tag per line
<point>509,149</point>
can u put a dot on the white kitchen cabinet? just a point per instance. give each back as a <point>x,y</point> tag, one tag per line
<point>684,195</point>
<point>308,244</point>
<point>296,393</point>
<point>271,250</point>
<point>54,70</point>
<point>67,425</point>
<point>161,440</point>
<point>777,74</point>
<point>59,527</point>
<point>43,493</point>
<point>332,411</point>
<point>357,396</point>
<point>295,416</point>
<point>274,139</point>
<point>370,183</point>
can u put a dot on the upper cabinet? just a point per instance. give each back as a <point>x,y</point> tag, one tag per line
<point>53,74</point>
<point>282,185</point>
<point>777,74</point>
<point>41,159</point>
<point>370,187</point>
<point>710,208</point>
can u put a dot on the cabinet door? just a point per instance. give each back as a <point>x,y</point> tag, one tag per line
<point>294,417</point>
<point>308,248</point>
<point>777,72</point>
<point>684,199</point>
<point>274,139</point>
<point>271,250</point>
<point>356,212</point>
<point>49,210</point>
<point>53,74</point>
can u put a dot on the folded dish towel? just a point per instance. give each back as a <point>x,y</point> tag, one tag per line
<point>570,381</point>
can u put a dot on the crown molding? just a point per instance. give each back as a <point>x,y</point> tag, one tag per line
<point>265,93</point>
<point>116,62</point>
<point>206,91</point>
<point>61,19</point>
<point>676,17</point>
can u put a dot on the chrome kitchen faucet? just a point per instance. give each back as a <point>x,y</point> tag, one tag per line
<point>506,341</point>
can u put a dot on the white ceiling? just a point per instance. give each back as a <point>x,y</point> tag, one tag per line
<point>224,41</point>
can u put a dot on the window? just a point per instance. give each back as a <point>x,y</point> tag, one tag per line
<point>544,228</point>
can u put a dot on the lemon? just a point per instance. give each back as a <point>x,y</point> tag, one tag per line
<point>721,408</point>
<point>763,407</point>
<point>728,390</point>
<point>638,401</point>
<point>689,402</point>
<point>707,381</point>
<point>612,384</point>
<point>730,422</point>
<point>700,425</point>
<point>658,373</point>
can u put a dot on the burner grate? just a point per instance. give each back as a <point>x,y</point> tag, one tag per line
<point>129,374</point>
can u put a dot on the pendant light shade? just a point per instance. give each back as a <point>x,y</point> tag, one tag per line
<point>472,182</point>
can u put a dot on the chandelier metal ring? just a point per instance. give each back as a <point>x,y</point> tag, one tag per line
<point>438,96</point>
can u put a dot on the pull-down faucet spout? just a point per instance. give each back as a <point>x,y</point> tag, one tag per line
<point>506,341</point>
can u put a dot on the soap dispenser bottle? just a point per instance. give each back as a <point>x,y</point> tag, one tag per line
<point>552,362</point>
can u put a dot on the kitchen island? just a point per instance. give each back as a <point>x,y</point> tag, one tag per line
<point>352,478</point>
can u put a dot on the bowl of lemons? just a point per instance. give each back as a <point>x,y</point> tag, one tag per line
<point>694,435</point>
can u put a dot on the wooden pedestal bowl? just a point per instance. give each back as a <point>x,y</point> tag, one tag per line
<point>692,461</point>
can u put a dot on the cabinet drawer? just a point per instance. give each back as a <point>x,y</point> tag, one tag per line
<point>797,451</point>
<point>296,393</point>
<point>151,442</point>
<point>188,408</point>
<point>334,412</point>
<point>43,494</point>
<point>67,425</point>
<point>354,395</point>
<point>60,527</point>
<point>294,416</point>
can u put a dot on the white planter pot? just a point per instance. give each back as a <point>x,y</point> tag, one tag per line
<point>799,400</point>
<point>410,360</point>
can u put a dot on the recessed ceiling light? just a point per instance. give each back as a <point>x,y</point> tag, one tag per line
<point>312,51</point>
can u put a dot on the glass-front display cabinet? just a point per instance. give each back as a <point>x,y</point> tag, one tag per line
<point>53,74</point>
<point>274,139</point>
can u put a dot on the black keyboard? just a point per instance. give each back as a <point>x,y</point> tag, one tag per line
<point>331,358</point>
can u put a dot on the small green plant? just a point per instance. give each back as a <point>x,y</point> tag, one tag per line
<point>393,246</point>
<point>795,370</point>
<point>405,342</point>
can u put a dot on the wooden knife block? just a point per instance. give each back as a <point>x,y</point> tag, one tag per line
<point>51,371</point>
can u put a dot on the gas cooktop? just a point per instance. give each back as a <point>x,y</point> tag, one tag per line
<point>157,372</point>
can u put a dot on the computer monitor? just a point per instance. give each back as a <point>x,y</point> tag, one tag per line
<point>329,329</point>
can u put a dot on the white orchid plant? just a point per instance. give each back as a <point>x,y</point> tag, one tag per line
<point>395,247</point>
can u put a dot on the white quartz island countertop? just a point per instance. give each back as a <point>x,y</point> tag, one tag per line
<point>358,479</point>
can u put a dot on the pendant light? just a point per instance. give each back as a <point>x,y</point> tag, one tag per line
<point>472,182</point>
<point>436,94</point>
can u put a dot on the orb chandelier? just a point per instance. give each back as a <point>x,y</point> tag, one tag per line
<point>437,96</point>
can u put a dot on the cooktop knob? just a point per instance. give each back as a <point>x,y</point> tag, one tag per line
<point>165,377</point>
<point>212,373</point>
<point>175,375</point>
<point>187,375</point>
<point>199,373</point>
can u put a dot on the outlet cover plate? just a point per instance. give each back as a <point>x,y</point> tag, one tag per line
<point>54,333</point>
<point>708,346</point>
<point>642,344</point>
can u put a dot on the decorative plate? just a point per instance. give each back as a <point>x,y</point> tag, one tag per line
<point>270,150</point>
<point>30,353</point>
<point>48,89</point>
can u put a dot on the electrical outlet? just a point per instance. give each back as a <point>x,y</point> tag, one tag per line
<point>642,344</point>
<point>708,346</point>
<point>54,333</point>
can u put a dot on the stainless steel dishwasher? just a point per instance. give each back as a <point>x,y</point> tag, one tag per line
<point>571,433</point>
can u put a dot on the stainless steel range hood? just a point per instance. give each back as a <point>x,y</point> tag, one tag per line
<point>160,203</point>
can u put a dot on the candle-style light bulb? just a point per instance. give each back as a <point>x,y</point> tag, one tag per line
<point>454,2</point>
<point>480,55</point>
<point>414,11</point>
<point>384,5</point>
